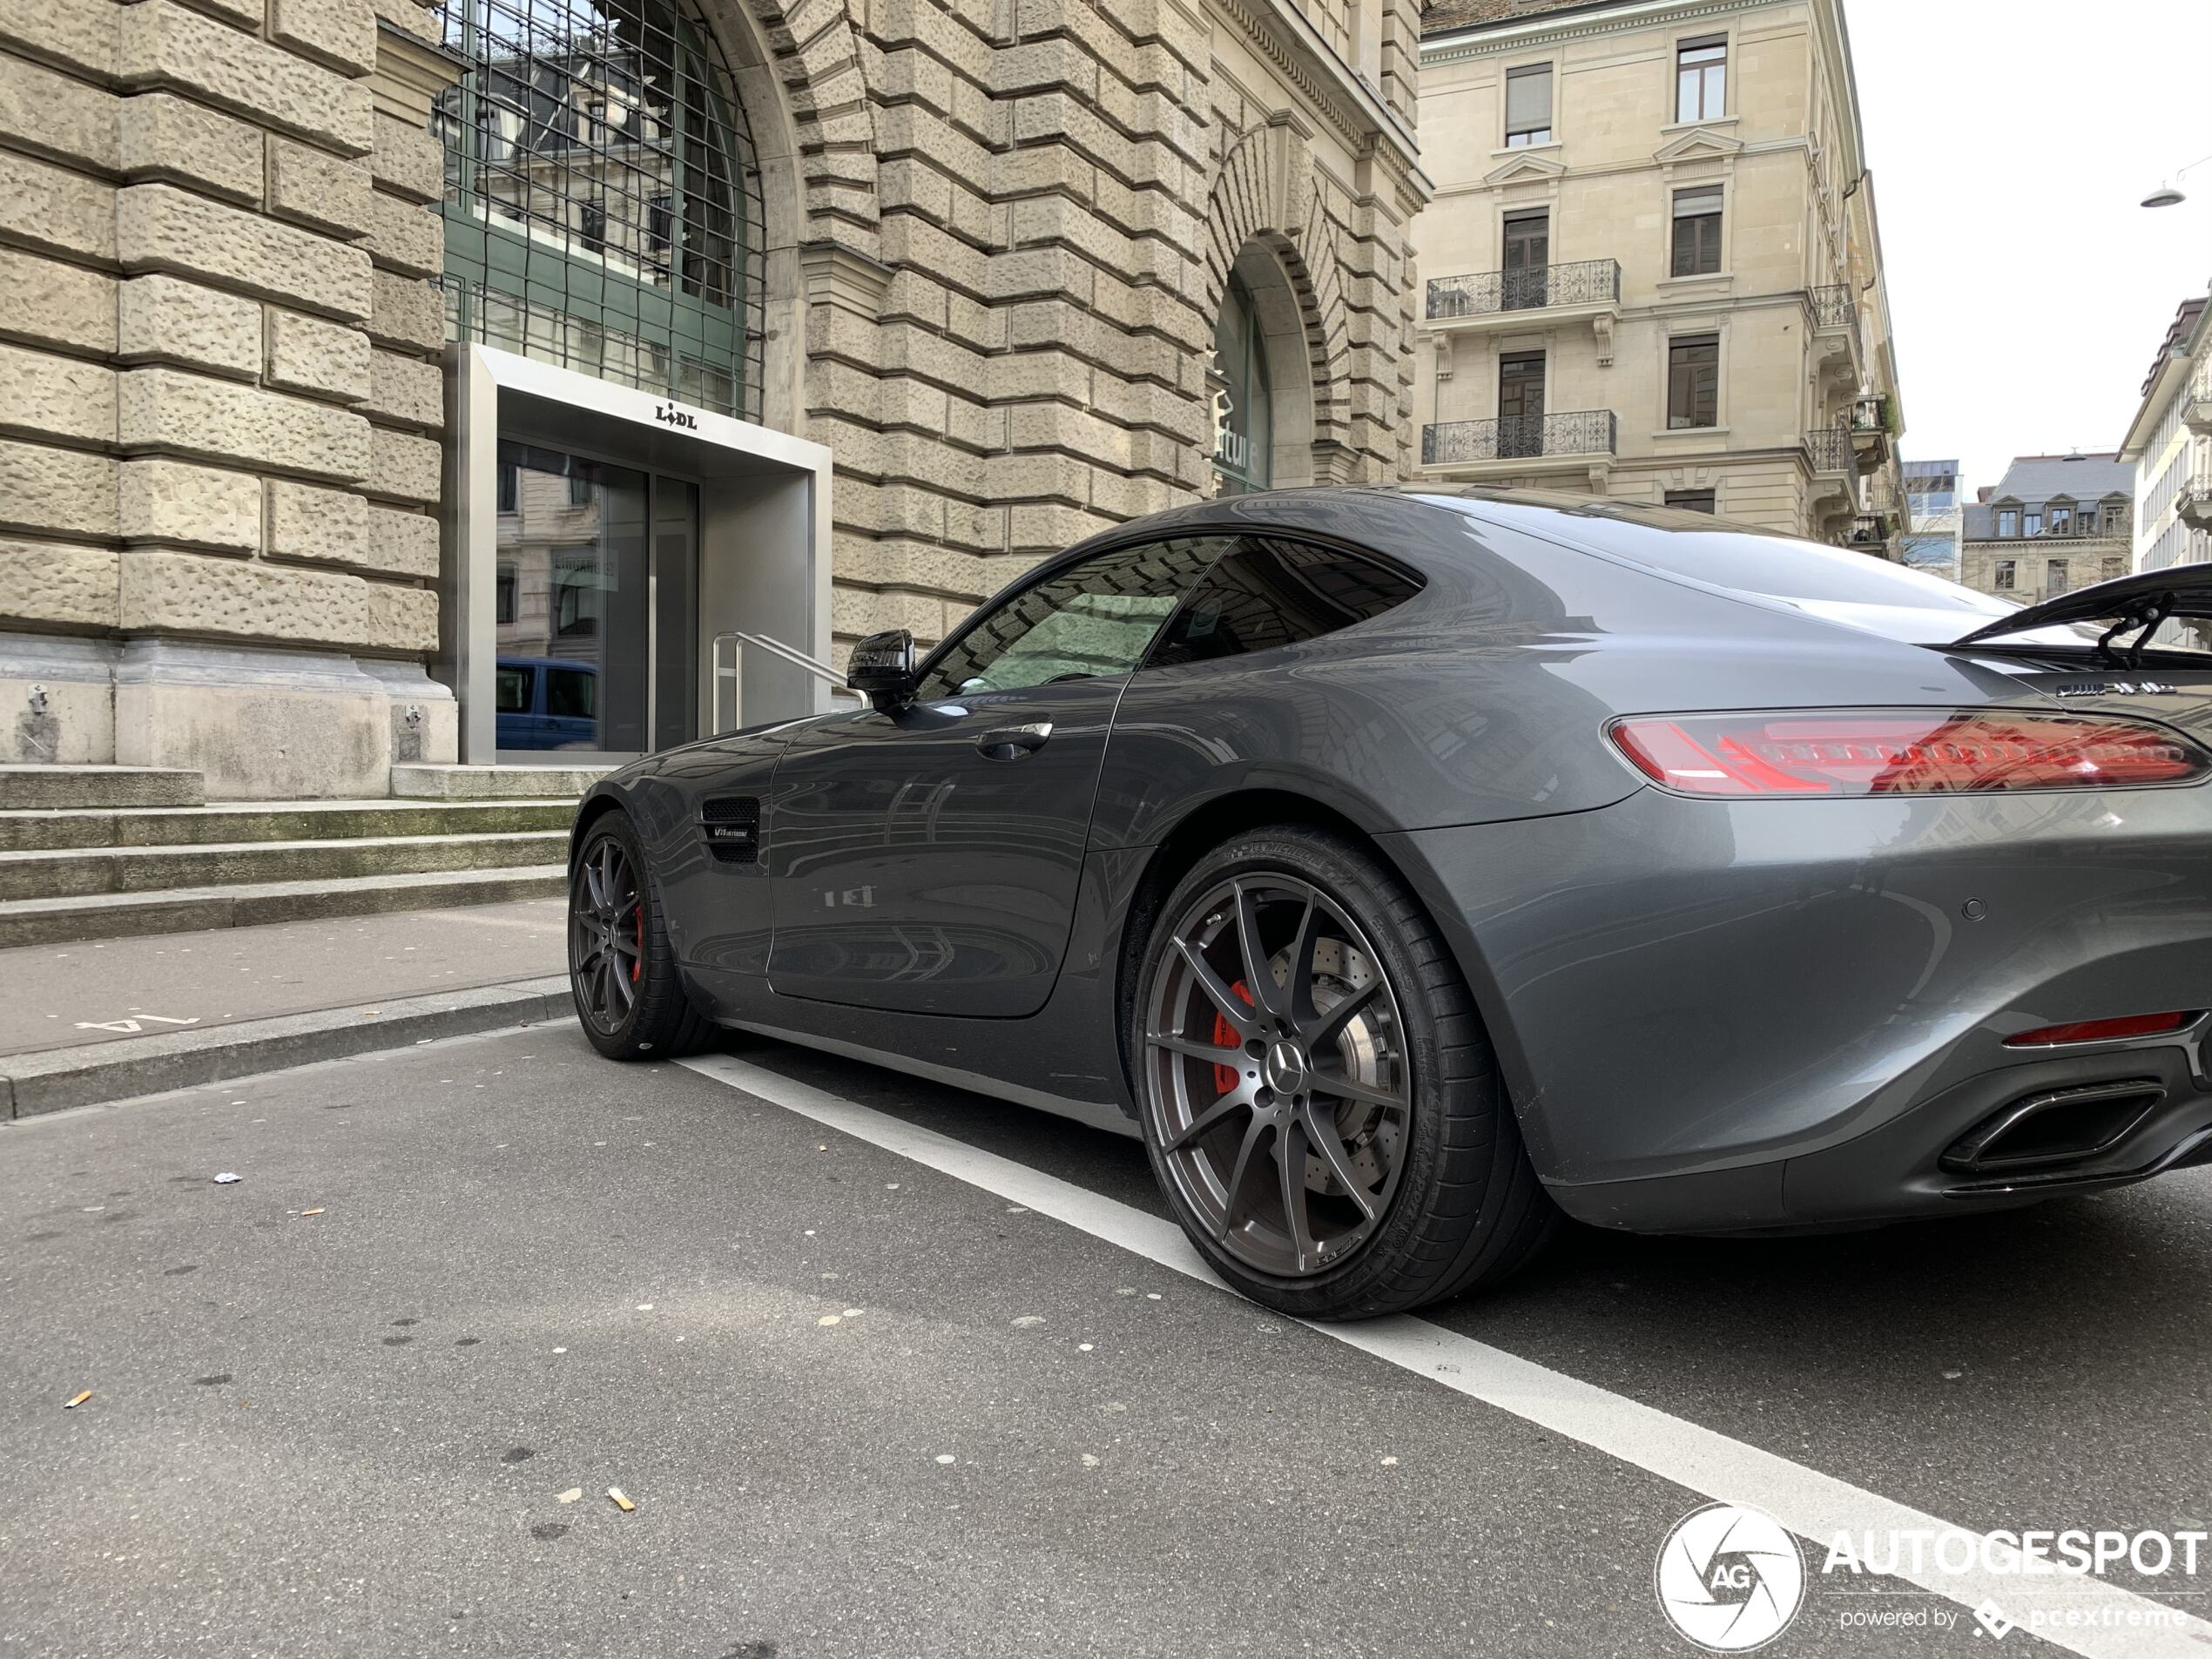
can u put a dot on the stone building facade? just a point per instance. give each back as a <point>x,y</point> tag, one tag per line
<point>2051,524</point>
<point>309,298</point>
<point>1653,266</point>
<point>2169,446</point>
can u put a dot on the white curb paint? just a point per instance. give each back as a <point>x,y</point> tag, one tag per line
<point>1815,1505</point>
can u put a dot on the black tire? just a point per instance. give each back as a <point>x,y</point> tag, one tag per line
<point>1447,1200</point>
<point>622,967</point>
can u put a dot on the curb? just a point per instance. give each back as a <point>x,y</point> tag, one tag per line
<point>57,1079</point>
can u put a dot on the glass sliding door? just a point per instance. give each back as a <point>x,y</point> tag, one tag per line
<point>598,602</point>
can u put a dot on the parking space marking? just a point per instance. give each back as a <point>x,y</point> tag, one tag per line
<point>1816,1507</point>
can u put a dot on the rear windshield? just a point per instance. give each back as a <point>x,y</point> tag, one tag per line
<point>1834,582</point>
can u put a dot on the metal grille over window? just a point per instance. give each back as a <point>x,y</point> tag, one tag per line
<point>603,202</point>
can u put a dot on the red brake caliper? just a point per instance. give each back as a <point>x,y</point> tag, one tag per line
<point>638,966</point>
<point>1224,1036</point>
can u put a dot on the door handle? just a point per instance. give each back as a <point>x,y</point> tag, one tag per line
<point>1012,742</point>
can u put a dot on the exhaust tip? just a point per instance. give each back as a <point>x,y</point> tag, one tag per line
<point>2055,1127</point>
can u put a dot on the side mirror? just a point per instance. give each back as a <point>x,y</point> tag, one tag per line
<point>881,669</point>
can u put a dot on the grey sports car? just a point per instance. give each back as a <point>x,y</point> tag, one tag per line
<point>1411,867</point>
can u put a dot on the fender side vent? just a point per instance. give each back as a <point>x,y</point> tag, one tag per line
<point>731,827</point>
<point>2058,1126</point>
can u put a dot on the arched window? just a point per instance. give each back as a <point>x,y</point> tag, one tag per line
<point>1243,424</point>
<point>602,198</point>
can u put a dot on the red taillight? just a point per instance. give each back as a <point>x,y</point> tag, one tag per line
<point>1904,751</point>
<point>2131,1025</point>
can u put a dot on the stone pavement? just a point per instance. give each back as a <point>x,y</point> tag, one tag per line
<point>100,991</point>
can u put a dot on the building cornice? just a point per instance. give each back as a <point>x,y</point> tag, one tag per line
<point>1289,42</point>
<point>2172,377</point>
<point>1486,40</point>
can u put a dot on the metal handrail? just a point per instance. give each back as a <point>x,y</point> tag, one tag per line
<point>733,671</point>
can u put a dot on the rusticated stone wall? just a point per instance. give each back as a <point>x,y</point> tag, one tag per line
<point>218,392</point>
<point>1018,218</point>
<point>997,238</point>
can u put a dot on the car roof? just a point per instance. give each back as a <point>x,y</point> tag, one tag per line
<point>1400,519</point>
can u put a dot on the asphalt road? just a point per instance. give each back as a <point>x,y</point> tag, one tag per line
<point>864,1407</point>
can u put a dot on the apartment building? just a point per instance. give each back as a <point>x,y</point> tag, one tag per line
<point>2169,446</point>
<point>1931,541</point>
<point>2051,524</point>
<point>1652,269</point>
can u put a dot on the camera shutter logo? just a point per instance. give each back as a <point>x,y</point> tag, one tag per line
<point>1729,1579</point>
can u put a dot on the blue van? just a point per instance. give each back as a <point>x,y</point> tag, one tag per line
<point>548,703</point>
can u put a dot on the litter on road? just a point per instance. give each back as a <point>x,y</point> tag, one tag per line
<point>569,1496</point>
<point>76,1399</point>
<point>621,1502</point>
<point>227,1178</point>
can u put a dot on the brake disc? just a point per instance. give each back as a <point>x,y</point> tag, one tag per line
<point>1362,1047</point>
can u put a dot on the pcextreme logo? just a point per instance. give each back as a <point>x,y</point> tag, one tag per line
<point>1729,1578</point>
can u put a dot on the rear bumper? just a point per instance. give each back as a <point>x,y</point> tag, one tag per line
<point>1722,1016</point>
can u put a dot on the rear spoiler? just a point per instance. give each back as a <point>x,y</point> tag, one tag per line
<point>2142,601</point>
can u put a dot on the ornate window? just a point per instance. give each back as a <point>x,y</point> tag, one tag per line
<point>602,202</point>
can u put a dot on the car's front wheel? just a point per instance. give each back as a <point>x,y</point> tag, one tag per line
<point>622,965</point>
<point>1320,1103</point>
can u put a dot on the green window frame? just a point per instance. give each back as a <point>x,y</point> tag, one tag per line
<point>602,200</point>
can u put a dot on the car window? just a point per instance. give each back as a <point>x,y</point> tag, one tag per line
<point>1093,620</point>
<point>571,692</point>
<point>1266,593</point>
<point>511,690</point>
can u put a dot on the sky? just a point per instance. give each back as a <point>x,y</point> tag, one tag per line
<point>2010,141</point>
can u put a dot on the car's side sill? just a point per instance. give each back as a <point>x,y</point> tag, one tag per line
<point>1096,1114</point>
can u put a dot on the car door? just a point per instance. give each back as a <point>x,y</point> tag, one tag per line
<point>515,688</point>
<point>926,859</point>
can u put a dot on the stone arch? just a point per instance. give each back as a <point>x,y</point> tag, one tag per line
<point>814,135</point>
<point>1266,205</point>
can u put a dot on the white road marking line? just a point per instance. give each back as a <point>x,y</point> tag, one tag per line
<point>1814,1506</point>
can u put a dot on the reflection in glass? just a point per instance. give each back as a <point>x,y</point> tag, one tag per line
<point>602,195</point>
<point>574,647</point>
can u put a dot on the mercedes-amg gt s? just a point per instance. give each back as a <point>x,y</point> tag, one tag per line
<point>1411,867</point>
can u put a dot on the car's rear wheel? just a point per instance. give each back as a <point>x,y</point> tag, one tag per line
<point>1321,1105</point>
<point>622,966</point>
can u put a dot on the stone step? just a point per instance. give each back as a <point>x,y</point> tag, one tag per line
<point>290,820</point>
<point>78,872</point>
<point>115,915</point>
<point>493,783</point>
<point>52,788</point>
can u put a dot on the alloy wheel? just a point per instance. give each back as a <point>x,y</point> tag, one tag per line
<point>1275,1074</point>
<point>606,934</point>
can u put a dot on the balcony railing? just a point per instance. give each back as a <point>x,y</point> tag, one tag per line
<point>1832,307</point>
<point>1870,530</point>
<point>1514,437</point>
<point>1828,448</point>
<point>1871,413</point>
<point>1586,282</point>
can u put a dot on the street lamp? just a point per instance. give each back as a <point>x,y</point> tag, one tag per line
<point>2169,194</point>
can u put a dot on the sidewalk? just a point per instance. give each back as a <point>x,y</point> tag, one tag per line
<point>97,1020</point>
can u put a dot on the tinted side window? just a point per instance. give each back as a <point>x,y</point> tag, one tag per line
<point>1270,593</point>
<point>511,690</point>
<point>571,693</point>
<point>1093,620</point>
